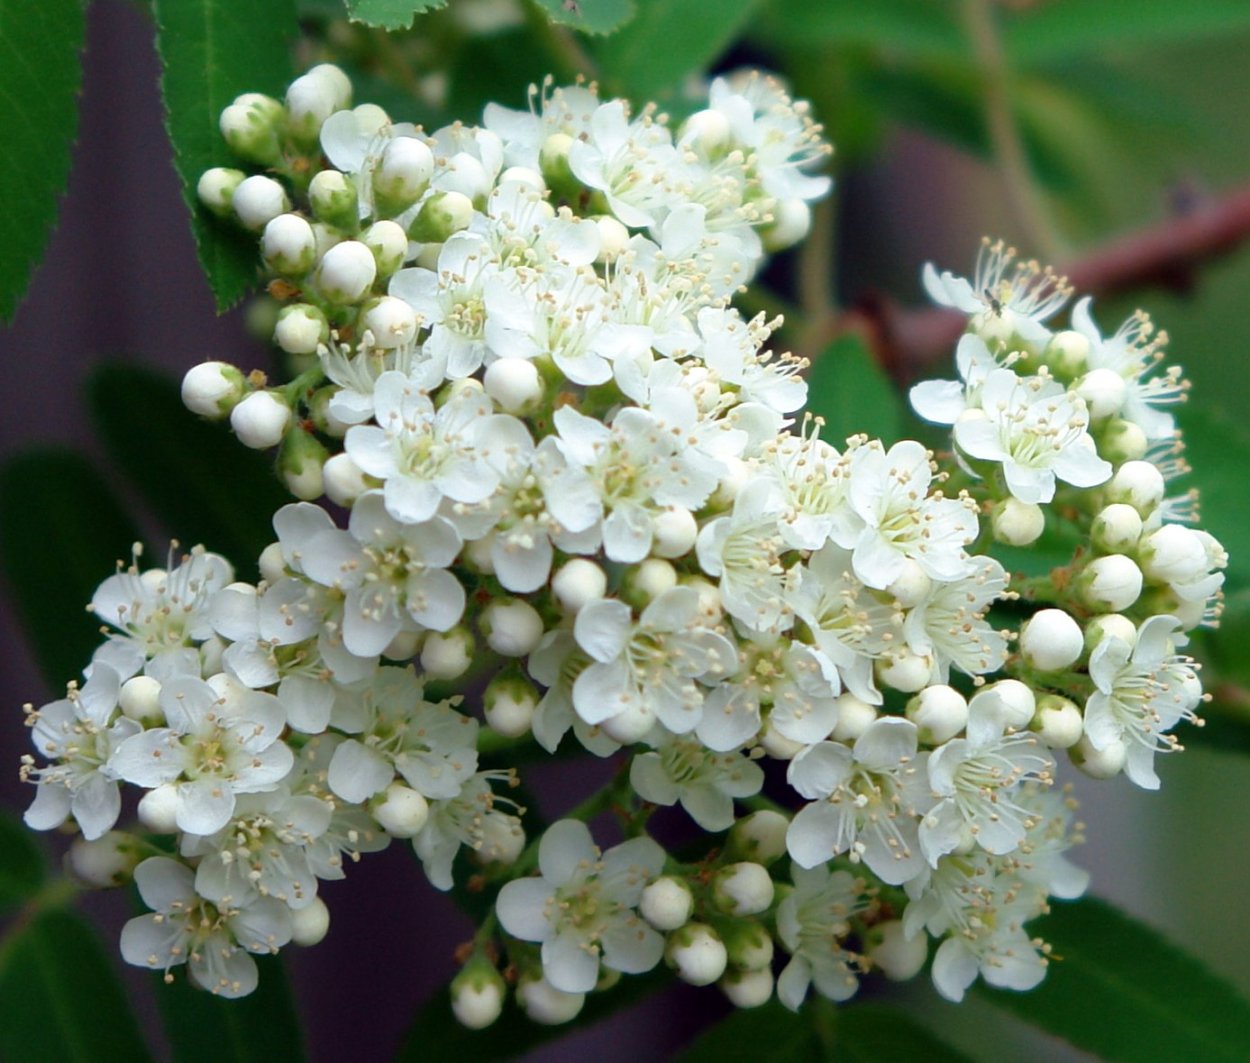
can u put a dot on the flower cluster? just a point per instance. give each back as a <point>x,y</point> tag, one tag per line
<point>579,491</point>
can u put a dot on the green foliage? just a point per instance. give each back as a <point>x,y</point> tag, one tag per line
<point>61,533</point>
<point>390,14</point>
<point>40,75</point>
<point>850,391</point>
<point>60,998</point>
<point>913,27</point>
<point>874,1033</point>
<point>767,1032</point>
<point>589,16</point>
<point>212,51</point>
<point>1118,989</point>
<point>22,870</point>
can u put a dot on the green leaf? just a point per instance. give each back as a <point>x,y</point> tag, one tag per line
<point>60,997</point>
<point>212,51</point>
<point>436,1035</point>
<point>874,1033</point>
<point>262,1027</point>
<point>1220,449</point>
<point>589,16</point>
<point>390,14</point>
<point>907,27</point>
<point>61,534</point>
<point>667,41</point>
<point>202,484</point>
<point>1123,992</point>
<point>40,75</point>
<point>22,871</point>
<point>850,391</point>
<point>769,1032</point>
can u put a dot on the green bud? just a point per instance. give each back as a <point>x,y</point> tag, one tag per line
<point>443,214</point>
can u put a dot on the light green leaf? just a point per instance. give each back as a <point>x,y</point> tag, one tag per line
<point>212,51</point>
<point>590,16</point>
<point>666,41</point>
<point>1120,990</point>
<point>851,392</point>
<point>22,870</point>
<point>40,75</point>
<point>202,484</point>
<point>60,998</point>
<point>58,519</point>
<point>907,27</point>
<point>262,1027</point>
<point>390,14</point>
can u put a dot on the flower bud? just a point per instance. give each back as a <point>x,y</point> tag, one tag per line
<point>1104,392</point>
<point>1058,722</point>
<point>777,745</point>
<point>1173,554</point>
<point>553,161</point>
<point>301,329</point>
<point>1051,640</point>
<point>216,188</point>
<point>502,841</point>
<point>1110,625</point>
<point>1017,523</point>
<point>392,322</point>
<point>760,837</point>
<point>630,726</point>
<point>447,655</point>
<point>1138,484</point>
<point>250,128</point>
<point>707,132</point>
<point>613,237</point>
<point>667,903</point>
<point>748,989</point>
<point>158,809</point>
<point>389,244</point>
<point>332,196</point>
<point>648,580</point>
<point>674,532</point>
<point>300,462</point>
<point>577,583</point>
<point>854,716</point>
<point>545,1004</point>
<point>889,949</point>
<point>1121,441</point>
<point>108,860</point>
<point>402,174</point>
<point>1099,763</point>
<point>441,215</point>
<point>742,889</point>
<point>402,811</point>
<point>310,924</point>
<point>1008,703</point>
<point>524,176</point>
<point>939,712</point>
<point>748,945</point>
<point>912,585</point>
<point>343,480</point>
<point>288,245</point>
<point>404,646</point>
<point>508,705</point>
<point>260,420</point>
<point>905,671</point>
<point>477,993</point>
<point>792,221</point>
<point>1067,354</point>
<point>337,83</point>
<point>211,389</point>
<point>1116,529</point>
<point>1110,583</point>
<point>512,627</point>
<point>309,102</point>
<point>258,200</point>
<point>346,272</point>
<point>697,954</point>
<point>514,384</point>
<point>139,700</point>
<point>271,563</point>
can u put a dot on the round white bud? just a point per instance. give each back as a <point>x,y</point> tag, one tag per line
<point>613,237</point>
<point>905,671</point>
<point>477,995</point>
<point>553,160</point>
<point>158,809</point>
<point>440,216</point>
<point>912,585</point>
<point>211,389</point>
<point>403,173</point>
<point>260,420</point>
<point>710,605</point>
<point>897,957</point>
<point>706,131</point>
<point>630,726</point>
<point>1008,702</point>
<point>697,954</point>
<point>392,322</point>
<point>1110,583</point>
<point>524,176</point>
<point>309,102</point>
<point>288,245</point>
<point>1058,722</point>
<point>1104,392</point>
<point>477,554</point>
<point>674,532</point>
<point>748,945</point>
<point>748,989</point>
<point>272,564</point>
<point>1174,554</point>
<point>939,712</point>
<point>1099,763</point>
<point>760,837</point>
<point>1116,528</point>
<point>792,221</point>
<point>666,903</point>
<point>347,271</point>
<point>502,841</point>
<point>216,188</point>
<point>310,924</point>
<point>578,582</point>
<point>447,655</point>
<point>102,862</point>
<point>402,812</point>
<point>344,481</point>
<point>512,627</point>
<point>249,128</point>
<point>332,196</point>
<point>1067,354</point>
<point>777,745</point>
<point>547,1005</point>
<point>389,244</point>
<point>1139,484</point>
<point>1122,441</point>
<point>1051,640</point>
<point>337,83</point>
<point>139,699</point>
<point>742,889</point>
<point>854,716</point>
<point>508,705</point>
<point>514,384</point>
<point>301,329</point>
<point>1017,523</point>
<point>648,580</point>
<point>258,200</point>
<point>1110,625</point>
<point>404,646</point>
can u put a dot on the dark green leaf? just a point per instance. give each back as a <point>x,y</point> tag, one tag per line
<point>212,51</point>
<point>40,75</point>
<point>497,69</point>
<point>61,534</point>
<point>1227,677</point>
<point>260,1028</point>
<point>874,1033</point>
<point>390,14</point>
<point>849,390</point>
<point>769,1032</point>
<point>1123,992</point>
<point>203,485</point>
<point>22,870</point>
<point>436,1035</point>
<point>589,16</point>
<point>1220,449</point>
<point>909,27</point>
<point>667,41</point>
<point>60,998</point>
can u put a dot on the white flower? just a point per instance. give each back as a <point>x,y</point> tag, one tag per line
<point>943,401</point>
<point>565,109</point>
<point>812,922</point>
<point>470,819</point>
<point>949,623</point>
<point>584,907</point>
<point>627,161</point>
<point>705,783</point>
<point>556,663</point>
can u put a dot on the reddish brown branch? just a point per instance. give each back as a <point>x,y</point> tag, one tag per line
<point>908,340</point>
